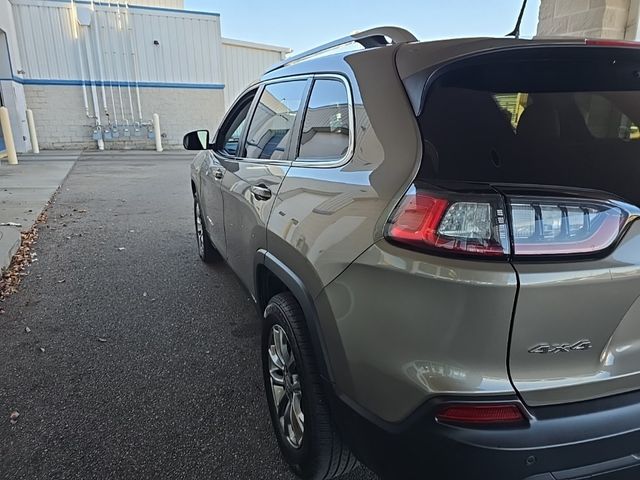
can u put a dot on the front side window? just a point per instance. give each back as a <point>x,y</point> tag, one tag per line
<point>233,126</point>
<point>325,132</point>
<point>270,130</point>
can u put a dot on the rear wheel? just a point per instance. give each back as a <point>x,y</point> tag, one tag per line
<point>206,250</point>
<point>301,419</point>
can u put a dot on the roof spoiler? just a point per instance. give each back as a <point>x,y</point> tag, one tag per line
<point>374,37</point>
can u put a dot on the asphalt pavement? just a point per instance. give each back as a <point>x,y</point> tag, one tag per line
<point>124,355</point>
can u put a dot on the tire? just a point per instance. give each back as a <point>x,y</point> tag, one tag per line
<point>320,453</point>
<point>206,250</point>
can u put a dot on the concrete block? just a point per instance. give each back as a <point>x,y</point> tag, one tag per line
<point>553,27</point>
<point>547,9</point>
<point>569,7</point>
<point>9,244</point>
<point>586,20</point>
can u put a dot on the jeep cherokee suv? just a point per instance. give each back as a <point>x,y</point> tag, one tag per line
<point>442,238</point>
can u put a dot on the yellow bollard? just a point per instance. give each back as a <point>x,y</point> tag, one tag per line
<point>8,136</point>
<point>32,132</point>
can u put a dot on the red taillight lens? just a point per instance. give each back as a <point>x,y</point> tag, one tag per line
<point>481,414</point>
<point>543,226</point>
<point>471,224</point>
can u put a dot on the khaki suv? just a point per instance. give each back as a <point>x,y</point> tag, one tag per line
<point>442,238</point>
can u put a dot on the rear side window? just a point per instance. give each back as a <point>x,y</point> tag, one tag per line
<point>270,130</point>
<point>551,122</point>
<point>325,131</point>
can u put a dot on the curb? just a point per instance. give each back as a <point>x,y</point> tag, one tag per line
<point>9,243</point>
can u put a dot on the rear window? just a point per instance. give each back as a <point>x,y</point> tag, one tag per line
<point>545,122</point>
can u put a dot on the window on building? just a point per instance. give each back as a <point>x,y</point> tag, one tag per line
<point>270,130</point>
<point>325,132</point>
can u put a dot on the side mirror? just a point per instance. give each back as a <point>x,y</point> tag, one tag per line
<point>196,140</point>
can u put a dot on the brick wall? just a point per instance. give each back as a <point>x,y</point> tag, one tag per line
<point>616,19</point>
<point>61,121</point>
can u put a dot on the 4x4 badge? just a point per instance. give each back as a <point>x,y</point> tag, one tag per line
<point>561,347</point>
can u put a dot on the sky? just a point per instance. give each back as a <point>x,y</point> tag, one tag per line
<point>302,25</point>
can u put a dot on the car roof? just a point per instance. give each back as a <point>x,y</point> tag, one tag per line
<point>414,56</point>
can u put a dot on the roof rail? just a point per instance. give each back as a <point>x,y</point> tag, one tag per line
<point>374,37</point>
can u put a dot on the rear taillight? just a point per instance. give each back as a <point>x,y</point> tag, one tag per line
<point>482,224</point>
<point>481,414</point>
<point>461,223</point>
<point>563,227</point>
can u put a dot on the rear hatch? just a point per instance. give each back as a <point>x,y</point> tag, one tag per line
<point>554,133</point>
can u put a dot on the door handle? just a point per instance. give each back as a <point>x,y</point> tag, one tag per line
<point>218,174</point>
<point>261,192</point>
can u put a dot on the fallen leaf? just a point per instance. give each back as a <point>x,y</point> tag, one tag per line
<point>27,329</point>
<point>102,340</point>
<point>121,248</point>
<point>62,281</point>
<point>13,418</point>
<point>144,294</point>
<point>42,349</point>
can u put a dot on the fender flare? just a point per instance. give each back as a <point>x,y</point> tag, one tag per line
<point>297,288</point>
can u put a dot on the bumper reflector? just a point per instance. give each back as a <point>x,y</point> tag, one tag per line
<point>480,414</point>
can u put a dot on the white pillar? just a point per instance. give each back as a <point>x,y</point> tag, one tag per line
<point>7,133</point>
<point>156,131</point>
<point>35,146</point>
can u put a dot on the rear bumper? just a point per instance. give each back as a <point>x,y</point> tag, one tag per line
<point>598,439</point>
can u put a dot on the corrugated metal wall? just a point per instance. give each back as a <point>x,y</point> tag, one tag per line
<point>188,49</point>
<point>243,63</point>
<point>179,4</point>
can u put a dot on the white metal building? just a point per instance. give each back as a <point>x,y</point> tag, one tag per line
<point>94,72</point>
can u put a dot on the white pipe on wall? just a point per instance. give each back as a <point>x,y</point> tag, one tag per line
<point>94,91</point>
<point>96,27</point>
<point>109,70</point>
<point>125,60</point>
<point>134,59</point>
<point>76,34</point>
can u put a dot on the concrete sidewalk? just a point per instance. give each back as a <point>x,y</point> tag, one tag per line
<point>25,190</point>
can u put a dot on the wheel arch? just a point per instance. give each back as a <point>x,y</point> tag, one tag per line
<point>273,276</point>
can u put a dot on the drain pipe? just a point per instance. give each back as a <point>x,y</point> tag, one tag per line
<point>76,36</point>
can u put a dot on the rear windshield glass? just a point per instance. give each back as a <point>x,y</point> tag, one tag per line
<point>542,122</point>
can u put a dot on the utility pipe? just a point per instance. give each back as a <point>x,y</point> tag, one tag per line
<point>156,132</point>
<point>126,65</point>
<point>94,91</point>
<point>96,27</point>
<point>115,63</point>
<point>5,123</point>
<point>134,59</point>
<point>76,36</point>
<point>35,146</point>
<point>109,70</point>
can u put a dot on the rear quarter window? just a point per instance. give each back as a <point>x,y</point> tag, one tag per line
<point>325,130</point>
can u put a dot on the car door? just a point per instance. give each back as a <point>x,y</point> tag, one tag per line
<point>213,170</point>
<point>252,180</point>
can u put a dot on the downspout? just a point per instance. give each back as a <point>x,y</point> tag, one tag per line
<point>116,71</point>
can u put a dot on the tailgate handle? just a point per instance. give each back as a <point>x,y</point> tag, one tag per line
<point>261,192</point>
<point>218,174</point>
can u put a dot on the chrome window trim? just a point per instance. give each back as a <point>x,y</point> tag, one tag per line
<point>330,162</point>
